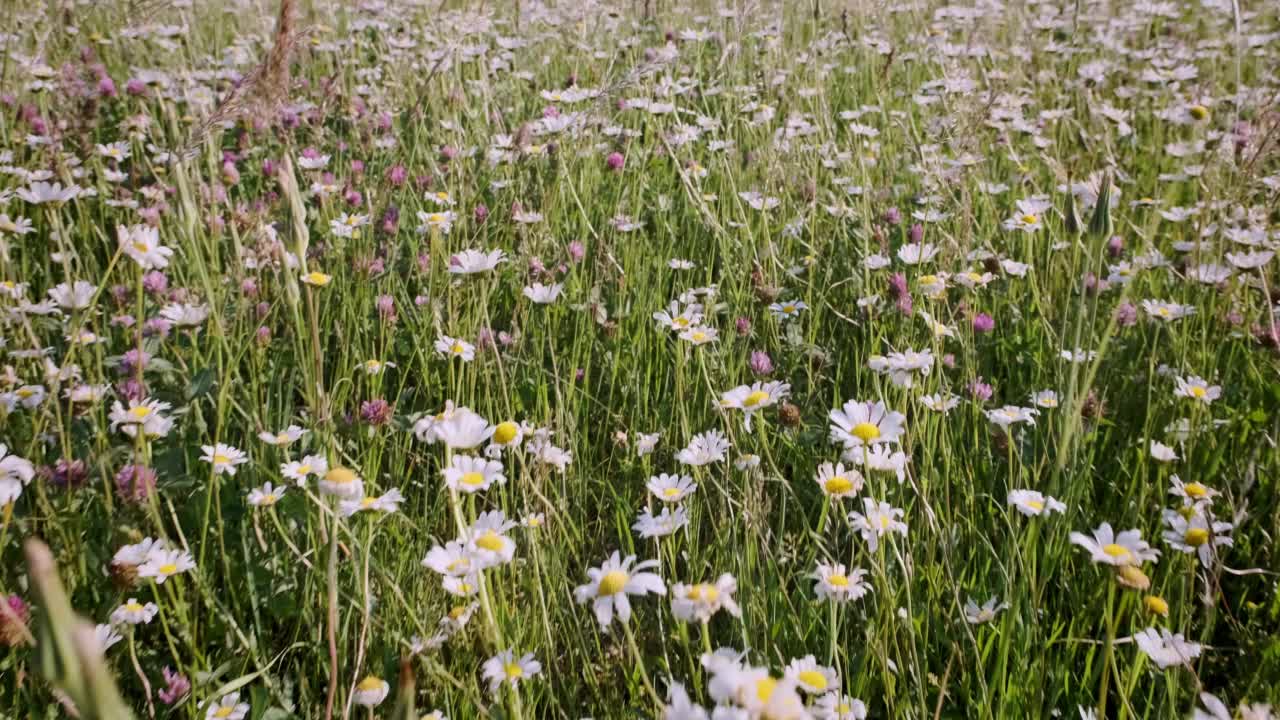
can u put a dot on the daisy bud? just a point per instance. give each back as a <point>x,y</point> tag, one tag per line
<point>1131,576</point>
<point>1156,605</point>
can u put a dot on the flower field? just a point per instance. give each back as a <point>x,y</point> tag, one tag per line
<point>763,359</point>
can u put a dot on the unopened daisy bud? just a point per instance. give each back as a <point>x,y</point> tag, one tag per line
<point>1156,605</point>
<point>1132,576</point>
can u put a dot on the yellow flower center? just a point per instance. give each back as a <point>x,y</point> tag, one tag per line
<point>1197,392</point>
<point>459,564</point>
<point>340,475</point>
<point>1030,219</point>
<point>755,398</point>
<point>1116,551</point>
<point>813,679</point>
<point>442,195</point>
<point>612,583</point>
<point>220,459</point>
<point>472,479</point>
<point>167,569</point>
<point>513,671</point>
<point>141,247</point>
<point>1195,537</point>
<point>1156,605</point>
<point>490,541</point>
<point>436,218</point>
<point>671,492</point>
<point>699,336</point>
<point>140,412</point>
<point>928,279</point>
<point>505,432</point>
<point>1195,489</point>
<point>866,432</point>
<point>317,278</point>
<point>133,606</point>
<point>269,499</point>
<point>25,393</point>
<point>370,683</point>
<point>765,687</point>
<point>788,308</point>
<point>368,501</point>
<point>224,711</point>
<point>304,469</point>
<point>838,581</point>
<point>457,348</point>
<point>1199,112</point>
<point>703,592</point>
<point>680,322</point>
<point>1035,505</point>
<point>460,610</point>
<point>838,485</point>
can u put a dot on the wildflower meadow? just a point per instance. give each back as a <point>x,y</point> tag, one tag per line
<point>720,359</point>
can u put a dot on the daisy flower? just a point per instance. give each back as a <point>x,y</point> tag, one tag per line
<point>939,402</point>
<point>612,583</point>
<point>788,310</point>
<point>265,496</point>
<point>834,706</point>
<point>1167,311</point>
<point>678,319</point>
<point>342,483</point>
<point>470,262</point>
<point>1192,493</point>
<point>299,470</point>
<point>134,613</point>
<point>664,523</point>
<point>227,708</point>
<point>1032,503</point>
<point>440,221</point>
<point>104,636</point>
<point>755,692</point>
<point>836,482</point>
<point>142,243</point>
<point>315,278</point>
<point>975,615</point>
<point>15,473</point>
<point>877,520</point>
<point>646,442</point>
<point>371,691</point>
<point>1161,452</point>
<point>507,434</point>
<point>680,707</point>
<point>1165,648</point>
<point>704,448</point>
<point>754,397</point>
<point>699,335</point>
<point>1197,388</point>
<point>472,474</point>
<point>835,583</point>
<point>145,414</point>
<point>543,294</point>
<point>1045,399</point>
<point>487,541</point>
<point>459,428</point>
<point>1196,532</point>
<point>387,502</point>
<point>506,668</point>
<point>223,458</point>
<point>703,600</point>
<point>452,559</point>
<point>671,488</point>
<point>1011,415</point>
<point>162,564</point>
<point>284,438</point>
<point>810,677</point>
<point>455,348</point>
<point>1108,548</point>
<point>865,423</point>
<point>878,458</point>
